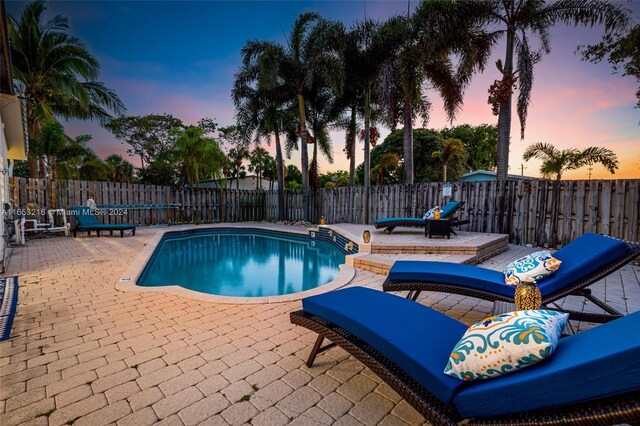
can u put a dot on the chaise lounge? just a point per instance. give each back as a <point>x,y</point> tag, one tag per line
<point>87,221</point>
<point>446,213</point>
<point>592,378</point>
<point>586,260</point>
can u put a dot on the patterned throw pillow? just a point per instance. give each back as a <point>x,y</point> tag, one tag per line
<point>531,268</point>
<point>430,214</point>
<point>505,343</point>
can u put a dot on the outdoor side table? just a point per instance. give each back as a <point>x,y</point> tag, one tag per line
<point>441,228</point>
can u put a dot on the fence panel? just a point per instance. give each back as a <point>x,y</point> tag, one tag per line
<point>610,207</point>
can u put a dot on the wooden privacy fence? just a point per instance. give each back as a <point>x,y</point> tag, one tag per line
<point>530,215</point>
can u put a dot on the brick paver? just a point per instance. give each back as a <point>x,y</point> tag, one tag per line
<point>85,353</point>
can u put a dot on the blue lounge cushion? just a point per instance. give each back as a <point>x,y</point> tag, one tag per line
<point>416,338</point>
<point>449,208</point>
<point>580,258</point>
<point>414,221</point>
<point>451,273</point>
<point>598,362</point>
<point>87,219</point>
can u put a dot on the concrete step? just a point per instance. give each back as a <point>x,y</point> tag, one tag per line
<point>381,263</point>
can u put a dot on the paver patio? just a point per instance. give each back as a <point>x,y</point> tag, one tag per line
<point>86,353</point>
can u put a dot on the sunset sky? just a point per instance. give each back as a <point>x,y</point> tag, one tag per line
<point>181,57</point>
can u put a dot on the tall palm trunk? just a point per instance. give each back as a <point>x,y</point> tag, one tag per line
<point>504,115</point>
<point>32,159</point>
<point>444,172</point>
<point>408,141</point>
<point>280,175</point>
<point>352,144</point>
<point>504,133</point>
<point>304,157</point>
<point>314,163</point>
<point>367,156</point>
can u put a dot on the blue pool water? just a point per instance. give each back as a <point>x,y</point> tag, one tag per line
<point>242,263</point>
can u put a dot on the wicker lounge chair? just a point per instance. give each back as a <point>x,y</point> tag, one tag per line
<point>446,213</point>
<point>592,378</point>
<point>586,260</point>
<point>87,221</point>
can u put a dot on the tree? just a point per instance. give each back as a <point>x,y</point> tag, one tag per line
<point>452,151</point>
<point>293,174</point>
<point>518,21</point>
<point>388,164</point>
<point>271,172</point>
<point>72,156</point>
<point>365,49</point>
<point>425,142</point>
<point>122,170</point>
<point>621,49</point>
<point>258,160</point>
<point>199,157</point>
<point>480,143</point>
<point>422,46</point>
<point>262,104</point>
<point>149,136</point>
<point>555,162</point>
<point>52,142</point>
<point>59,73</point>
<point>310,57</point>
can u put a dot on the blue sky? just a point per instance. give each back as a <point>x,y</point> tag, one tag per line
<point>180,57</point>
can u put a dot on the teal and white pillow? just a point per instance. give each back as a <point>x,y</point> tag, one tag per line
<point>430,214</point>
<point>505,343</point>
<point>531,268</point>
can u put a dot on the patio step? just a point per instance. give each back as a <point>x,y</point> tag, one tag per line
<point>381,263</point>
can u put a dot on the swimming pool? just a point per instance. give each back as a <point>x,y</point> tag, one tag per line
<point>242,262</point>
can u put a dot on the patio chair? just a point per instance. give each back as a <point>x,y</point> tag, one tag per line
<point>585,260</point>
<point>446,213</point>
<point>87,221</point>
<point>592,378</point>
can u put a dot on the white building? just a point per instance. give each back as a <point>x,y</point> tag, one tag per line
<point>13,143</point>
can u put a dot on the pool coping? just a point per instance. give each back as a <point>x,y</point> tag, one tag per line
<point>127,282</point>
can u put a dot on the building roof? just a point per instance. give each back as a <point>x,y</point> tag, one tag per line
<point>489,174</point>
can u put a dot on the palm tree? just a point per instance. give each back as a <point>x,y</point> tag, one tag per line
<point>257,163</point>
<point>324,111</point>
<point>199,156</point>
<point>308,59</point>
<point>518,21</point>
<point>262,103</point>
<point>452,150</point>
<point>422,46</point>
<point>236,157</point>
<point>555,162</point>
<point>59,74</point>
<point>389,161</point>
<point>122,169</point>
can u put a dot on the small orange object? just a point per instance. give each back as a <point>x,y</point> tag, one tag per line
<point>436,213</point>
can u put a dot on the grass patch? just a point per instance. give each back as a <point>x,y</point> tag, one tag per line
<point>255,387</point>
<point>244,399</point>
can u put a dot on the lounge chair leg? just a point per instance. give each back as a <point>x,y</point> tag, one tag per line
<point>314,351</point>
<point>413,294</point>
<point>389,229</point>
<point>134,232</point>
<point>111,232</point>
<point>318,348</point>
<point>121,234</point>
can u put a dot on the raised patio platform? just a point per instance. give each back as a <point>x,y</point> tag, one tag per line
<point>411,244</point>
